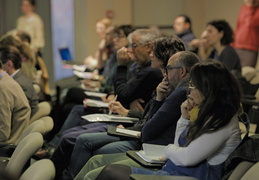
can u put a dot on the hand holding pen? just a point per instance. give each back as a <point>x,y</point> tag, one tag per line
<point>111,105</point>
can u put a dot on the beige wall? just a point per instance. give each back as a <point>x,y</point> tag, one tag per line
<point>87,13</point>
<point>146,13</point>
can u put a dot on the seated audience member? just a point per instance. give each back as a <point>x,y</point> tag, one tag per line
<point>183,29</point>
<point>11,63</point>
<point>201,47</point>
<point>76,95</point>
<point>74,118</point>
<point>204,142</point>
<point>42,77</point>
<point>219,34</point>
<point>103,52</point>
<point>142,84</point>
<point>14,109</point>
<point>157,128</point>
<point>27,55</point>
<point>134,88</point>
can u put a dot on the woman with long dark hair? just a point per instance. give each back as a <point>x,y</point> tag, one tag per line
<point>207,131</point>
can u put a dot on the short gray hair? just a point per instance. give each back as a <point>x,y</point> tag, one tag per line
<point>146,35</point>
<point>187,59</point>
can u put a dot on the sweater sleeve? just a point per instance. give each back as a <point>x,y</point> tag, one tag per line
<point>139,86</point>
<point>5,116</point>
<point>166,117</point>
<point>199,149</point>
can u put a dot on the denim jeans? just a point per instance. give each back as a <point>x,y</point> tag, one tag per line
<point>91,144</point>
<point>74,119</point>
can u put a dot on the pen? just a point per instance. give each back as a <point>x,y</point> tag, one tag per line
<point>115,98</point>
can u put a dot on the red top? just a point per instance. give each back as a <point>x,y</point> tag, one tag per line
<point>247,29</point>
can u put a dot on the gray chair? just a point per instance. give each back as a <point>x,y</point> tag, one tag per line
<point>23,152</point>
<point>41,170</point>
<point>240,170</point>
<point>44,110</point>
<point>252,173</point>
<point>156,177</point>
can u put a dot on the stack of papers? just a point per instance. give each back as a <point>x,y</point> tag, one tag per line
<point>109,118</point>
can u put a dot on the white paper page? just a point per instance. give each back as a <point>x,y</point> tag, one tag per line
<point>95,94</point>
<point>118,117</point>
<point>95,103</point>
<point>154,150</point>
<point>150,159</point>
<point>127,131</point>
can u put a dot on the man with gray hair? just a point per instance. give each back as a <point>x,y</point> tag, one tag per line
<point>142,84</point>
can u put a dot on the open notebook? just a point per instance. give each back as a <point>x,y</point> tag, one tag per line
<point>109,118</point>
<point>149,156</point>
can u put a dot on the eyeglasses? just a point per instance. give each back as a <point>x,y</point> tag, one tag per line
<point>134,45</point>
<point>167,68</point>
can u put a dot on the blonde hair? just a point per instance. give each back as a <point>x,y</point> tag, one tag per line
<point>106,21</point>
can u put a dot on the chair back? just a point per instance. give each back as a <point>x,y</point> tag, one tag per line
<point>43,169</point>
<point>43,125</point>
<point>44,110</point>
<point>23,152</point>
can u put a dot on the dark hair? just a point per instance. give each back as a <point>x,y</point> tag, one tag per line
<point>165,46</point>
<point>10,53</point>
<point>222,25</point>
<point>187,19</point>
<point>127,29</point>
<point>32,2</point>
<point>222,97</point>
<point>25,37</point>
<point>0,64</point>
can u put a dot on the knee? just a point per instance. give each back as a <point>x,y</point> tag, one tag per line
<point>96,159</point>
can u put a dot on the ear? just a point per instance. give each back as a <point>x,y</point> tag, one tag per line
<point>9,63</point>
<point>187,26</point>
<point>183,72</point>
<point>149,47</point>
<point>221,34</point>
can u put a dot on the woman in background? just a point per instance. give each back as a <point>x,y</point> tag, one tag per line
<point>32,23</point>
<point>104,49</point>
<point>219,34</point>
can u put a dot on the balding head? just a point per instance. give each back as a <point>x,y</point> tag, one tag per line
<point>179,66</point>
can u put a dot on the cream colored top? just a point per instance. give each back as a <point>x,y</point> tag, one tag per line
<point>33,25</point>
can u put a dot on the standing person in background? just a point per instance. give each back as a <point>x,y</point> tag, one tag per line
<point>247,33</point>
<point>104,50</point>
<point>32,23</point>
<point>183,29</point>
